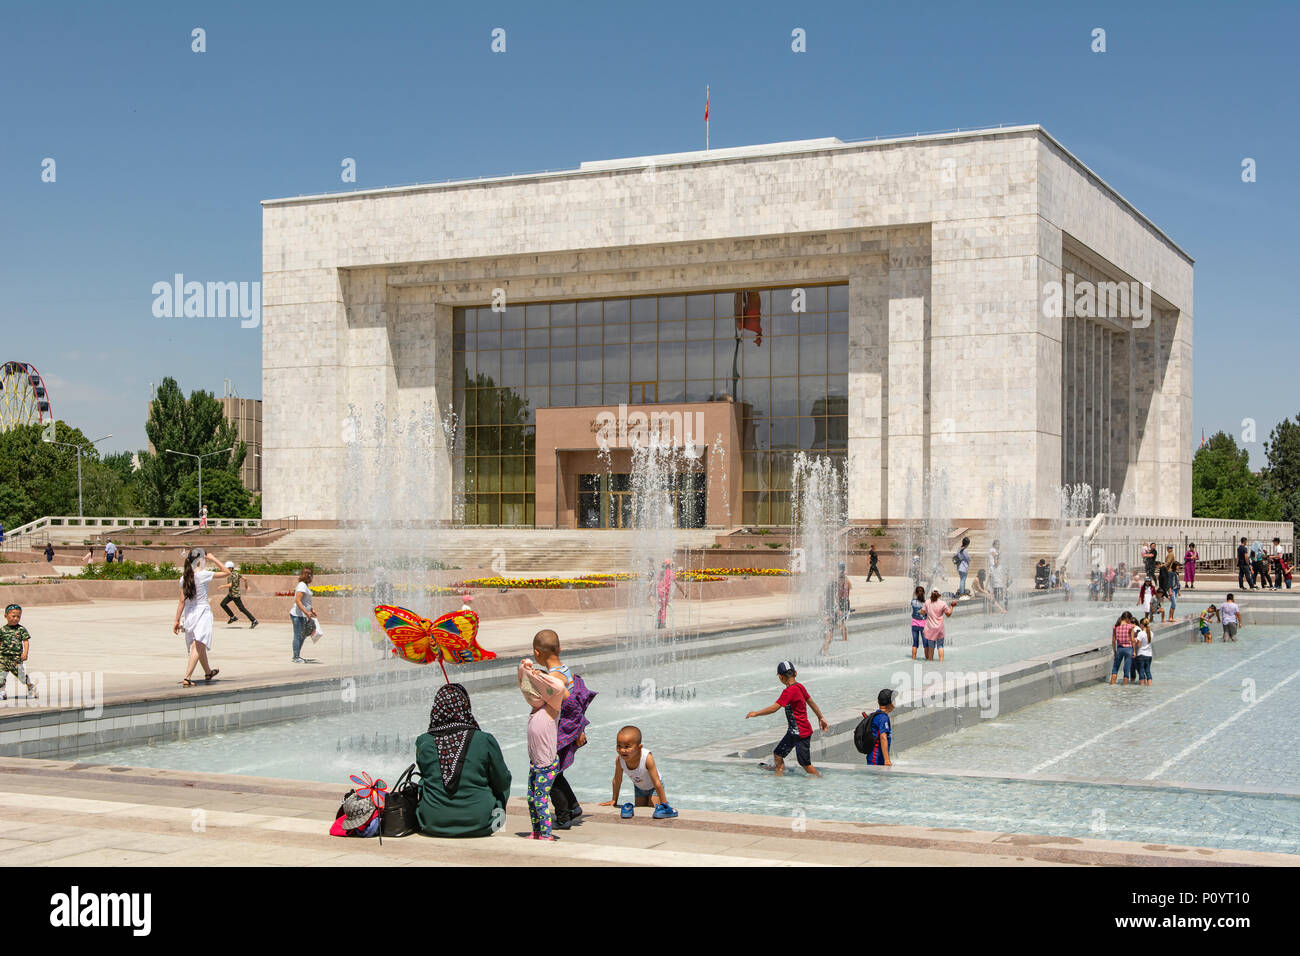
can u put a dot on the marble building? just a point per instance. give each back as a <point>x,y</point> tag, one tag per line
<point>977,302</point>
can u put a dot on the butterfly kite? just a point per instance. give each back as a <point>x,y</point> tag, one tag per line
<point>452,638</point>
<point>367,789</point>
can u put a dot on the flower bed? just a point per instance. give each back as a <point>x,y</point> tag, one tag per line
<point>548,584</point>
<point>747,572</point>
<point>347,590</point>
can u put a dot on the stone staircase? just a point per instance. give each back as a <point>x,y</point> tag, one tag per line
<point>524,550</point>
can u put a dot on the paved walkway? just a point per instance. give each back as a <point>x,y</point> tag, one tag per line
<point>56,813</point>
<point>132,642</point>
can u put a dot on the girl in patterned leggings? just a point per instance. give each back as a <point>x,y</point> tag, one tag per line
<point>544,694</point>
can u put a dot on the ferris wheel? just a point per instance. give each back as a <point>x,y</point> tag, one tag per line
<point>24,399</point>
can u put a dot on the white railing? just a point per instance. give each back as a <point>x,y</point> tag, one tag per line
<point>99,523</point>
<point>1114,539</point>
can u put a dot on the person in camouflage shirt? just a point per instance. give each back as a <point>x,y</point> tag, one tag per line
<point>236,579</point>
<point>14,640</point>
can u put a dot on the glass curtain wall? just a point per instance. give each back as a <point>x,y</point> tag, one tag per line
<point>647,349</point>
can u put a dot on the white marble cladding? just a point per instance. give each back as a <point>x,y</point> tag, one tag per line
<point>946,243</point>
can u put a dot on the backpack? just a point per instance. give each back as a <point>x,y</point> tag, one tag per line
<point>956,559</point>
<point>864,738</point>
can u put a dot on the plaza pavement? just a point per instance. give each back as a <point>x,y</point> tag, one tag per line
<point>56,813</point>
<point>132,643</point>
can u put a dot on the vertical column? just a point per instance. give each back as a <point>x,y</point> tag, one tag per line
<point>1147,374</point>
<point>1176,447</point>
<point>868,453</point>
<point>905,397</point>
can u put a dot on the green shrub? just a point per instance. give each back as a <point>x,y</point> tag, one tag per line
<point>284,567</point>
<point>877,532</point>
<point>130,571</point>
<point>774,544</point>
<point>148,541</point>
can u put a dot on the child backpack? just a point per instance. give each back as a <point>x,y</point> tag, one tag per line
<point>864,739</point>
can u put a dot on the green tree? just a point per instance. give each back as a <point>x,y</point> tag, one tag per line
<point>1282,470</point>
<point>15,506</point>
<point>106,493</point>
<point>1223,486</point>
<point>195,426</point>
<point>41,476</point>
<point>223,493</point>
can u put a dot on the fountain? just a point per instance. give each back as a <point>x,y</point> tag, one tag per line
<point>818,544</point>
<point>1009,506</point>
<point>397,479</point>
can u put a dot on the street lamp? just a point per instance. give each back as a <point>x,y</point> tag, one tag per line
<point>199,459</point>
<point>79,448</point>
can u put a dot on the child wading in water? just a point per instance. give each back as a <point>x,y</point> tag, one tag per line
<point>918,618</point>
<point>647,785</point>
<point>544,693</point>
<point>1142,656</point>
<point>935,611</point>
<point>1204,625</point>
<point>798,735</point>
<point>14,644</point>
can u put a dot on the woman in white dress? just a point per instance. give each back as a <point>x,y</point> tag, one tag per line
<point>193,613</point>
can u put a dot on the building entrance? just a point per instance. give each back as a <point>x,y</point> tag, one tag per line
<point>607,500</point>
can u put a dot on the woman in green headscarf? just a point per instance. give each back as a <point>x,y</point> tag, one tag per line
<point>464,783</point>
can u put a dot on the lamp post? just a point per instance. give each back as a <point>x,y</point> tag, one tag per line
<point>80,448</point>
<point>199,459</point>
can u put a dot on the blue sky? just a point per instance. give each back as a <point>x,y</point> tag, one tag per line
<point>162,154</point>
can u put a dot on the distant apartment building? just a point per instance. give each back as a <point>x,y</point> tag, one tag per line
<point>246,415</point>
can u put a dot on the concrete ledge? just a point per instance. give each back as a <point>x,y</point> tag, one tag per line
<point>66,813</point>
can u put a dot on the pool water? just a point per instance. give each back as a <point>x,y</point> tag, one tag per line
<point>1215,715</point>
<point>727,685</point>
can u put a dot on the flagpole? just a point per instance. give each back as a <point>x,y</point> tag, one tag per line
<point>706,118</point>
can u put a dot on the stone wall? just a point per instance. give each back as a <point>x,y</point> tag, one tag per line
<point>945,242</point>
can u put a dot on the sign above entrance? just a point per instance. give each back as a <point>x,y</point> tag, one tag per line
<point>624,429</point>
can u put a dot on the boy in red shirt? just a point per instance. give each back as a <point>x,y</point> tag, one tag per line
<point>798,735</point>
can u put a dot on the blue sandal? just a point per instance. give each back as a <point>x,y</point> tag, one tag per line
<point>625,811</point>
<point>664,812</point>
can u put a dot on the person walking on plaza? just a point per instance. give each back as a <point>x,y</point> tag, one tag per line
<point>193,613</point>
<point>110,551</point>
<point>301,615</point>
<point>664,592</point>
<point>1190,557</point>
<point>15,643</point>
<point>49,552</point>
<point>1245,577</point>
<point>875,565</point>
<point>232,596</point>
<point>1279,560</point>
<point>203,516</point>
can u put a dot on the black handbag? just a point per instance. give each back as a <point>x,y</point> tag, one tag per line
<point>400,805</point>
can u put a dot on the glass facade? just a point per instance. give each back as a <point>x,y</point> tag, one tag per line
<point>793,386</point>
